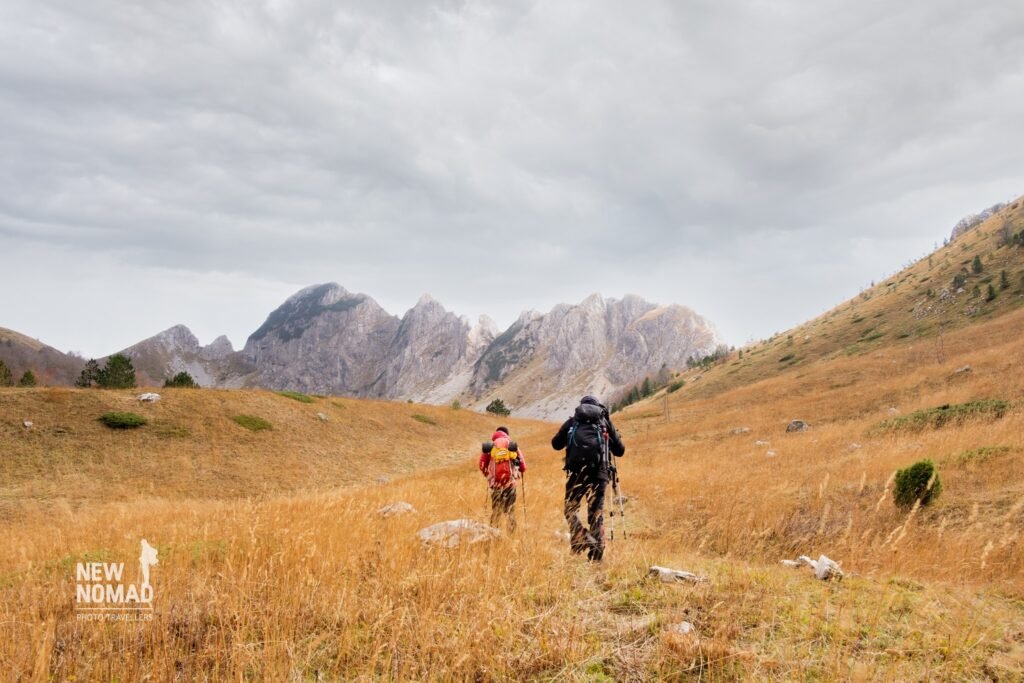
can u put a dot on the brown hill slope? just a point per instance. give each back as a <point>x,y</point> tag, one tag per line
<point>50,366</point>
<point>918,306</point>
<point>192,448</point>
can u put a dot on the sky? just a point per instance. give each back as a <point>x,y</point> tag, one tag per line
<point>759,161</point>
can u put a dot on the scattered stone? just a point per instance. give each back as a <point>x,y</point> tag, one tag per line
<point>824,568</point>
<point>960,371</point>
<point>27,424</point>
<point>148,397</point>
<point>399,508</point>
<point>797,426</point>
<point>893,410</point>
<point>771,454</point>
<point>454,533</point>
<point>683,627</point>
<point>675,575</point>
<point>760,442</point>
<point>322,417</point>
<point>855,446</point>
<point>741,430</point>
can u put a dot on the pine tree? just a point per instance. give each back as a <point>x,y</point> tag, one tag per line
<point>118,373</point>
<point>976,266</point>
<point>498,407</point>
<point>90,375</point>
<point>27,380</point>
<point>6,379</point>
<point>991,293</point>
<point>183,380</point>
<point>1004,280</point>
<point>646,389</point>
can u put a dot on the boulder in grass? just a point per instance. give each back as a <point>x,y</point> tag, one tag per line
<point>667,575</point>
<point>797,426</point>
<point>27,424</point>
<point>456,532</point>
<point>148,397</point>
<point>322,417</point>
<point>823,568</point>
<point>399,508</point>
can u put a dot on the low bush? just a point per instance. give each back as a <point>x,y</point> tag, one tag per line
<point>424,419</point>
<point>122,420</point>
<point>252,423</point>
<point>676,386</point>
<point>296,396</point>
<point>957,413</point>
<point>920,481</point>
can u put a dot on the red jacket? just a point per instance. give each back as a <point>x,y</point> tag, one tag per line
<point>518,465</point>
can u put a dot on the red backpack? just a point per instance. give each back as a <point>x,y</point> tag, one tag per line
<point>502,470</point>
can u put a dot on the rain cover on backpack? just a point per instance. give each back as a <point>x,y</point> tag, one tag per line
<point>586,438</point>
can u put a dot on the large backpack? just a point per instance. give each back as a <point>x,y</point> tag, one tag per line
<point>585,446</point>
<point>503,467</point>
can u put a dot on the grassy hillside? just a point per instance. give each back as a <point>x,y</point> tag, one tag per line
<point>192,447</point>
<point>916,307</point>
<point>315,584</point>
<point>51,367</point>
<point>274,563</point>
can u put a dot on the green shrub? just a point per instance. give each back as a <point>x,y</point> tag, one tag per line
<point>252,423</point>
<point>498,407</point>
<point>942,415</point>
<point>980,455</point>
<point>456,404</point>
<point>424,419</point>
<point>182,380</point>
<point>27,380</point>
<point>676,386</point>
<point>920,481</point>
<point>122,420</point>
<point>297,396</point>
<point>6,378</point>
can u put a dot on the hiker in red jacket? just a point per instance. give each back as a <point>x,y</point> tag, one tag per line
<point>502,462</point>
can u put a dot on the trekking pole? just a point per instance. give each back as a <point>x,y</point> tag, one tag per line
<point>614,472</point>
<point>524,499</point>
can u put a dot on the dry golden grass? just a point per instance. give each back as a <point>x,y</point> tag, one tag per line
<point>275,566</point>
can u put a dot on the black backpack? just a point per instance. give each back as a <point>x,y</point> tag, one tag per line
<point>586,438</point>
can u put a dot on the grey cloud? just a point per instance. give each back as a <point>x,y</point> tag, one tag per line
<point>401,147</point>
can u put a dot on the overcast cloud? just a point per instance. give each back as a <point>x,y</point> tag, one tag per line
<point>197,162</point>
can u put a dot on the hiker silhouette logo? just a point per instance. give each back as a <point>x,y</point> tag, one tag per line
<point>101,593</point>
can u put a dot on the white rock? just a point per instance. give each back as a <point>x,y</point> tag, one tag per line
<point>854,446</point>
<point>772,454</point>
<point>960,371</point>
<point>399,508</point>
<point>683,627</point>
<point>823,568</point>
<point>761,442</point>
<point>741,430</point>
<point>668,575</point>
<point>27,424</point>
<point>456,532</point>
<point>322,417</point>
<point>893,410</point>
<point>148,397</point>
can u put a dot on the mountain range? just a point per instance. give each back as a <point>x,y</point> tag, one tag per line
<point>327,340</point>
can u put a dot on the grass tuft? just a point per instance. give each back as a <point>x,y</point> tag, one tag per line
<point>935,418</point>
<point>252,423</point>
<point>297,396</point>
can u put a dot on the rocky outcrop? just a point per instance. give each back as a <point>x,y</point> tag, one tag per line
<point>327,340</point>
<point>176,350</point>
<point>542,363</point>
<point>968,223</point>
<point>324,339</point>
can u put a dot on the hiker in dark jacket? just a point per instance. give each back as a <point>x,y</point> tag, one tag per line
<point>583,436</point>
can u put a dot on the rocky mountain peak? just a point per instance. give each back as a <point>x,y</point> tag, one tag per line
<point>177,338</point>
